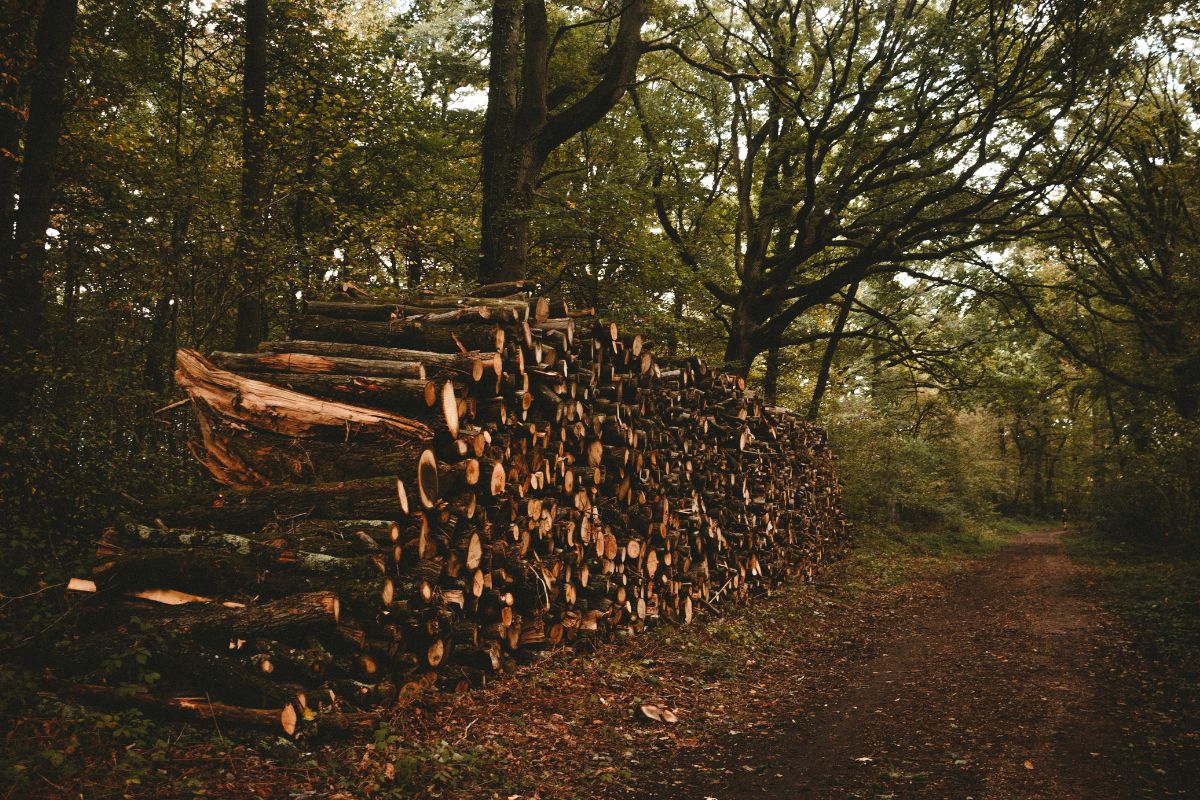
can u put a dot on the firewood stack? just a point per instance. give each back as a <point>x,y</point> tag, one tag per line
<point>424,491</point>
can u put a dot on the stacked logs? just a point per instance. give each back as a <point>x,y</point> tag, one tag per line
<point>424,491</point>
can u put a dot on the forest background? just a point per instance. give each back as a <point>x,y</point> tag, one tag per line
<point>962,236</point>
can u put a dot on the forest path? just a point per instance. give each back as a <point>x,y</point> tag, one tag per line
<point>1006,681</point>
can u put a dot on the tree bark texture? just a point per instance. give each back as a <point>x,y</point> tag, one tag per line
<point>23,256</point>
<point>523,123</point>
<point>252,206</point>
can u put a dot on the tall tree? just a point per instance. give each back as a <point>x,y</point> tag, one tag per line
<point>875,135</point>
<point>530,113</point>
<point>252,207</point>
<point>22,252</point>
<point>1128,241</point>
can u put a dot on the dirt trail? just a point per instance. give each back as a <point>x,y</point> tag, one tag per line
<point>1008,681</point>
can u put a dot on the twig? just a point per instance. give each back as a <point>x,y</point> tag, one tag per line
<point>9,600</point>
<point>173,406</point>
<point>467,729</point>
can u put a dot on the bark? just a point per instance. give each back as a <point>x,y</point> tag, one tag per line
<point>414,395</point>
<point>283,411</point>
<point>771,377</point>
<point>249,253</point>
<point>441,338</point>
<point>17,18</point>
<point>521,128</point>
<point>23,261</point>
<point>243,510</point>
<point>159,348</point>
<point>474,364</point>
<point>305,364</point>
<point>504,226</point>
<point>839,325</point>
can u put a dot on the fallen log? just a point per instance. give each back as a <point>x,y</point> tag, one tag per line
<point>245,509</point>
<point>283,411</point>
<point>436,337</point>
<point>469,363</point>
<point>311,364</point>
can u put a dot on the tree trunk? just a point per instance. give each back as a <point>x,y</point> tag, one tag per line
<point>505,228</point>
<point>507,202</point>
<point>16,31</point>
<point>519,132</point>
<point>839,325</point>
<point>771,378</point>
<point>742,347</point>
<point>23,262</point>
<point>248,250</point>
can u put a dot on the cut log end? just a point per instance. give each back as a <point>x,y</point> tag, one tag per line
<point>402,495</point>
<point>427,479</point>
<point>435,653</point>
<point>289,720</point>
<point>449,409</point>
<point>497,479</point>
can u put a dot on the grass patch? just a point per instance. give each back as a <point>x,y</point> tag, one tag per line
<point>1155,587</point>
<point>888,555</point>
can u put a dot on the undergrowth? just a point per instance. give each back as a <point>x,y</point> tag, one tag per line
<point>1154,586</point>
<point>889,555</point>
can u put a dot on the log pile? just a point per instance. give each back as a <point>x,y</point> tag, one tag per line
<point>424,491</point>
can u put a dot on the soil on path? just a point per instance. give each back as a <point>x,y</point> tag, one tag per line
<point>1006,681</point>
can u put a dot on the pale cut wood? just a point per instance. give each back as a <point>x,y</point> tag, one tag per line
<point>309,363</point>
<point>281,410</point>
<point>471,363</point>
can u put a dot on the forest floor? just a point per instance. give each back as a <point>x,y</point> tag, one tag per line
<point>938,666</point>
<point>1007,680</point>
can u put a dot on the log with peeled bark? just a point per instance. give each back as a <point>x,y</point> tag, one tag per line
<point>416,395</point>
<point>287,719</point>
<point>311,611</point>
<point>440,337</point>
<point>473,363</point>
<point>506,309</point>
<point>191,708</point>
<point>283,411</point>
<point>482,310</point>
<point>243,456</point>
<point>311,364</point>
<point>500,289</point>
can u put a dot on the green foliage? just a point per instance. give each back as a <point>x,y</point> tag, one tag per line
<point>62,741</point>
<point>895,473</point>
<point>1152,492</point>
